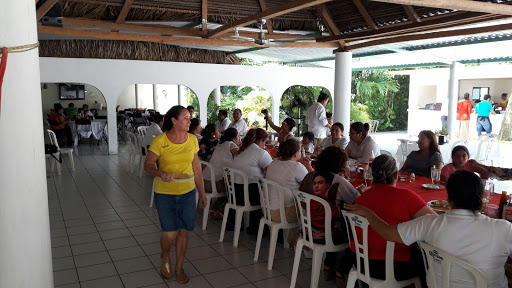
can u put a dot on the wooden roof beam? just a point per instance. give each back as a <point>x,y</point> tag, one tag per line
<point>263,6</point>
<point>44,8</point>
<point>204,16</point>
<point>267,14</point>
<point>124,11</point>
<point>465,5</point>
<point>171,39</point>
<point>412,13</point>
<point>365,14</point>
<point>433,35</point>
<point>329,23</point>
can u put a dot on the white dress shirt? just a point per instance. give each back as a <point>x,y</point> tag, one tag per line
<point>223,125</point>
<point>221,158</point>
<point>483,242</point>
<point>342,142</point>
<point>363,151</point>
<point>240,126</point>
<point>316,119</point>
<point>152,131</point>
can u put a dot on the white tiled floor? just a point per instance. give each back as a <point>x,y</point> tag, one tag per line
<point>104,234</point>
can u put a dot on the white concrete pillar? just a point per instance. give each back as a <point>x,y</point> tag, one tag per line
<point>155,97</point>
<point>25,249</point>
<point>216,96</point>
<point>182,95</point>
<point>453,96</point>
<point>342,88</point>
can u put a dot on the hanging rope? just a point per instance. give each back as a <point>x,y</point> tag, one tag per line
<point>3,62</point>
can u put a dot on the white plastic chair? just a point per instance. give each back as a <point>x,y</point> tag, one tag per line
<point>484,149</point>
<point>433,257</point>
<point>264,187</point>
<point>152,193</point>
<point>386,152</point>
<point>69,151</point>
<point>362,253</point>
<point>307,237</point>
<point>374,124</point>
<point>210,196</point>
<point>139,140</point>
<point>142,130</point>
<point>463,142</point>
<point>229,173</point>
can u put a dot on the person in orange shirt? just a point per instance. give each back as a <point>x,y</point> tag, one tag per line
<point>464,109</point>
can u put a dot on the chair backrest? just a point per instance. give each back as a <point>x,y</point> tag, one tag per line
<point>209,169</point>
<point>142,130</point>
<point>305,199</point>
<point>484,149</point>
<point>386,152</point>
<point>133,140</point>
<point>463,142</point>
<point>361,248</point>
<point>433,257</point>
<point>374,124</point>
<point>229,175</point>
<point>53,138</point>
<point>265,187</point>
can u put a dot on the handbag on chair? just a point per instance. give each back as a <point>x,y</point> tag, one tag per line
<point>52,149</point>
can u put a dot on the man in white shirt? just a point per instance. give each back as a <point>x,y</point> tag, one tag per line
<point>316,118</point>
<point>153,130</point>
<point>238,123</point>
<point>223,122</point>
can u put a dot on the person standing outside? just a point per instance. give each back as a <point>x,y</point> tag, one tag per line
<point>483,109</point>
<point>464,109</point>
<point>238,123</point>
<point>178,176</point>
<point>316,118</point>
<point>190,109</point>
<point>504,101</point>
<point>223,122</point>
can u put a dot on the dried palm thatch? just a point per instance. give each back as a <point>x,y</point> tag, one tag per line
<point>131,50</point>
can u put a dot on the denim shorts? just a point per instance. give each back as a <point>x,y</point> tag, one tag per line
<point>176,211</point>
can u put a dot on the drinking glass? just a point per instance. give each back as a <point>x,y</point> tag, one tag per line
<point>368,177</point>
<point>487,196</point>
<point>435,174</point>
<point>354,167</point>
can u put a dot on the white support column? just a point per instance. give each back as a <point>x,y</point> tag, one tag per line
<point>216,96</point>
<point>342,88</point>
<point>182,94</point>
<point>453,96</point>
<point>25,249</point>
<point>155,97</point>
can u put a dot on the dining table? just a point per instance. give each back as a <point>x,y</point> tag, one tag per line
<point>96,129</point>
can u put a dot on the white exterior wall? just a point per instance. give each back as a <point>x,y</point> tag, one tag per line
<point>112,77</point>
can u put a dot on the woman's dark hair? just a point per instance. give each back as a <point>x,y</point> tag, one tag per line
<point>458,148</point>
<point>384,169</point>
<point>223,112</point>
<point>287,149</point>
<point>323,96</point>
<point>290,122</point>
<point>157,118</point>
<point>339,126</point>
<point>309,135</point>
<point>229,135</point>
<point>327,176</point>
<point>466,96</point>
<point>434,147</point>
<point>175,113</point>
<point>253,136</point>
<point>194,123</point>
<point>208,130</point>
<point>465,190</point>
<point>332,159</point>
<point>359,127</point>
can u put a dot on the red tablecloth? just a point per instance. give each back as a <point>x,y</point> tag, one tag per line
<point>424,193</point>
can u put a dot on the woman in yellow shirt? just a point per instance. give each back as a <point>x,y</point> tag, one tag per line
<point>178,176</point>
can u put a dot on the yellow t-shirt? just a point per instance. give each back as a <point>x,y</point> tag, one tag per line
<point>504,103</point>
<point>174,158</point>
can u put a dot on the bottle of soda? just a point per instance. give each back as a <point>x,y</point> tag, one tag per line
<point>302,151</point>
<point>503,201</point>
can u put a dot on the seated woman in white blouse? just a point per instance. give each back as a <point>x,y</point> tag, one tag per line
<point>463,232</point>
<point>287,170</point>
<point>253,160</point>
<point>336,138</point>
<point>361,146</point>
<point>222,157</point>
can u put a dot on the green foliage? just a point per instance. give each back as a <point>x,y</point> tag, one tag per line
<point>385,95</point>
<point>359,112</point>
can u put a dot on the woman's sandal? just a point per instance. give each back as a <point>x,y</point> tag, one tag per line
<point>181,276</point>
<point>166,270</point>
<point>329,274</point>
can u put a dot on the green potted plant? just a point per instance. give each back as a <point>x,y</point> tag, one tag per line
<point>441,135</point>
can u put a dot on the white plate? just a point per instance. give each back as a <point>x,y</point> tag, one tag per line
<point>182,180</point>
<point>432,186</point>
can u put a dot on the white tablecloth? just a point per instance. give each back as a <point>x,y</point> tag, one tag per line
<point>95,129</point>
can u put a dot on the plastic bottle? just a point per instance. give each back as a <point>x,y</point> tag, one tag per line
<point>302,151</point>
<point>503,201</point>
<point>412,178</point>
